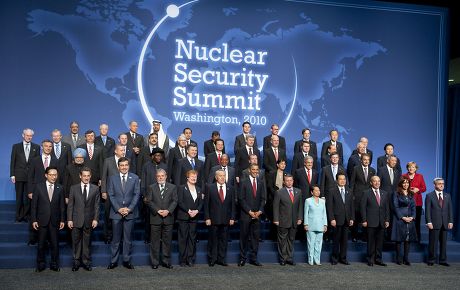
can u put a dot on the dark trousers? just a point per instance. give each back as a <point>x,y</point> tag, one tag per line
<point>161,236</point>
<point>22,201</point>
<point>217,245</point>
<point>286,237</point>
<point>340,239</point>
<point>186,239</point>
<point>48,233</point>
<point>355,229</point>
<point>375,244</point>
<point>81,245</point>
<point>107,221</point>
<point>406,251</point>
<point>418,216</point>
<point>249,236</point>
<point>435,237</point>
<point>145,212</point>
<point>122,227</point>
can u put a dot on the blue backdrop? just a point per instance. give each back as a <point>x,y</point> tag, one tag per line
<point>365,68</point>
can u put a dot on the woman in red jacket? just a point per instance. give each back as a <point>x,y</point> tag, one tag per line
<point>417,187</point>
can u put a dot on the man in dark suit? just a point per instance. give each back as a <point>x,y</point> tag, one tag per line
<point>274,132</point>
<point>213,158</point>
<point>104,141</point>
<point>219,213</point>
<point>299,158</point>
<point>341,215</point>
<point>21,155</point>
<point>241,140</point>
<point>375,211</point>
<point>124,191</point>
<point>251,199</point>
<point>175,155</point>
<point>306,133</point>
<point>382,160</point>
<point>188,163</point>
<point>144,154</point>
<point>334,137</point>
<point>305,177</point>
<point>253,159</point>
<point>230,175</point>
<point>128,152</point>
<point>109,168</point>
<point>47,216</point>
<point>242,156</point>
<point>355,158</point>
<point>273,154</point>
<point>135,140</point>
<point>329,174</point>
<point>389,175</point>
<point>366,150</point>
<point>62,153</point>
<point>163,138</point>
<point>360,182</point>
<point>188,136</point>
<point>82,218</point>
<point>95,157</point>
<point>209,146</point>
<point>326,159</point>
<point>439,219</point>
<point>74,138</point>
<point>162,201</point>
<point>287,215</point>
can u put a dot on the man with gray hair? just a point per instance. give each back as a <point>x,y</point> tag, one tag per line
<point>176,154</point>
<point>104,141</point>
<point>21,155</point>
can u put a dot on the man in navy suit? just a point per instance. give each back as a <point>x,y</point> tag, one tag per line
<point>104,141</point>
<point>334,137</point>
<point>188,163</point>
<point>47,216</point>
<point>329,174</point>
<point>306,133</point>
<point>124,191</point>
<point>382,160</point>
<point>21,155</point>
<point>439,219</point>
<point>95,157</point>
<point>62,152</point>
<point>128,152</point>
<point>299,157</point>
<point>366,150</point>
<point>389,175</point>
<point>305,177</point>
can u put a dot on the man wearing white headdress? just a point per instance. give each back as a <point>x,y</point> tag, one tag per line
<point>163,139</point>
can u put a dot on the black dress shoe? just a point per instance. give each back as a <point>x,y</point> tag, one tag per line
<point>75,268</point>
<point>182,264</point>
<point>430,264</point>
<point>241,263</point>
<point>407,263</point>
<point>444,264</point>
<point>128,265</point>
<point>255,263</point>
<point>55,269</point>
<point>112,266</point>
<point>345,262</point>
<point>88,267</point>
<point>398,262</point>
<point>370,264</point>
<point>292,263</point>
<point>211,264</point>
<point>283,263</point>
<point>169,266</point>
<point>333,263</point>
<point>222,264</point>
<point>154,267</point>
<point>40,269</point>
<point>381,264</point>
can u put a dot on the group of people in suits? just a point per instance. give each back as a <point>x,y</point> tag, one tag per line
<point>143,177</point>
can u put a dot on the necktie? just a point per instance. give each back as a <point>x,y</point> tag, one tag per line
<point>365,173</point>
<point>27,151</point>
<point>334,171</point>
<point>221,194</point>
<point>192,163</point>
<point>308,176</point>
<point>391,175</point>
<point>134,136</point>
<point>377,196</point>
<point>183,152</point>
<point>162,190</point>
<point>275,150</point>
<point>74,138</point>
<point>90,152</point>
<point>50,192</point>
<point>123,182</point>
<point>226,173</point>
<point>250,150</point>
<point>254,187</point>
<point>45,164</point>
<point>58,150</point>
<point>291,195</point>
<point>218,157</point>
<point>85,192</point>
<point>440,200</point>
<point>104,139</point>
<point>342,193</point>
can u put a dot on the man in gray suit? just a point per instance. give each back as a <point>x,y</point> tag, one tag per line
<point>439,219</point>
<point>287,215</point>
<point>162,200</point>
<point>74,139</point>
<point>124,191</point>
<point>82,218</point>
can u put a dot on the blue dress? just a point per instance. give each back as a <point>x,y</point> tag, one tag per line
<point>404,206</point>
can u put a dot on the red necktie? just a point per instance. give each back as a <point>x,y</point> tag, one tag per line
<point>308,176</point>
<point>90,152</point>
<point>440,201</point>
<point>377,196</point>
<point>45,164</point>
<point>221,194</point>
<point>254,187</point>
<point>218,157</point>
<point>291,195</point>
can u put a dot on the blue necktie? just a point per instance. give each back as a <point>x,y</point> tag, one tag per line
<point>192,163</point>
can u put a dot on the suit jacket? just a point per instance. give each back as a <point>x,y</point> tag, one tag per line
<point>220,213</point>
<point>64,159</point>
<point>119,198</point>
<point>353,161</point>
<point>242,159</point>
<point>149,175</point>
<point>436,215</point>
<point>301,181</point>
<point>208,147</point>
<point>81,210</point>
<point>269,158</point>
<point>36,172</point>
<point>108,148</point>
<point>327,178</point>
<point>173,160</point>
<point>373,213</point>
<point>240,141</point>
<point>156,202</point>
<point>230,173</point>
<point>142,159</point>
<point>110,168</point>
<point>73,145</point>
<point>298,161</point>
<point>164,146</point>
<point>137,142</point>
<point>358,183</point>
<point>210,161</point>
<point>186,203</point>
<point>96,163</point>
<point>180,177</point>
<point>341,212</point>
<point>368,151</point>
<point>267,142</point>
<point>385,182</point>
<point>382,161</point>
<point>313,148</point>
<point>315,214</point>
<point>339,149</point>
<point>246,198</point>
<point>43,210</point>
<point>285,211</point>
<point>19,166</point>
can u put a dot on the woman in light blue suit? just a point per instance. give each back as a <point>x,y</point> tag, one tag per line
<point>315,223</point>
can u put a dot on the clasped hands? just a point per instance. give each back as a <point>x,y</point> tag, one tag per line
<point>124,211</point>
<point>163,212</point>
<point>192,213</point>
<point>255,214</point>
